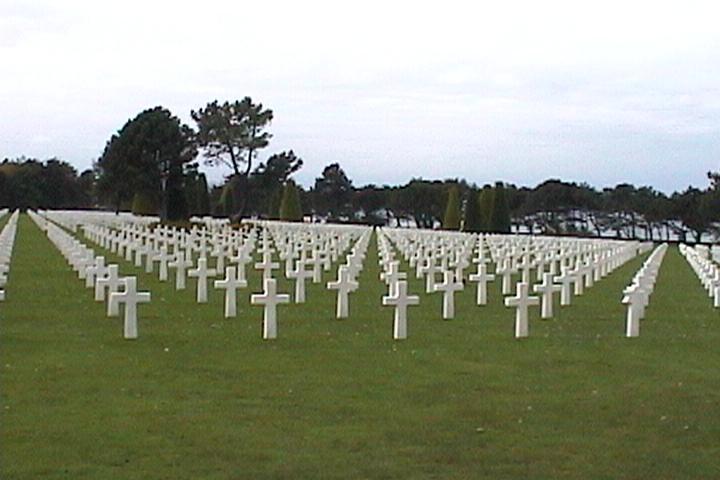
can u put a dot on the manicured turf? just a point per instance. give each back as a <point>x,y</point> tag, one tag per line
<point>198,396</point>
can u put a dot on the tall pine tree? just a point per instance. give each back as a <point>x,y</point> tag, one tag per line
<point>451,220</point>
<point>473,219</point>
<point>290,210</point>
<point>500,218</point>
<point>486,201</point>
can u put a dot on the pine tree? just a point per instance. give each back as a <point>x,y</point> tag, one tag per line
<point>451,220</point>
<point>290,210</point>
<point>226,200</point>
<point>144,204</point>
<point>500,218</point>
<point>473,220</point>
<point>203,196</point>
<point>486,202</point>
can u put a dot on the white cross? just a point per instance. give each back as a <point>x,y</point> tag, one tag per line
<point>202,273</point>
<point>391,276</point>
<point>565,279</point>
<point>482,278</point>
<point>219,253</point>
<point>506,271</point>
<point>430,270</point>
<point>299,275</point>
<point>344,285</point>
<point>448,286</point>
<point>242,258</point>
<point>95,271</point>
<point>267,265</point>
<point>163,257</point>
<point>130,297</point>
<point>547,288</point>
<point>521,301</point>
<point>578,274</point>
<point>633,299</point>
<point>316,261</point>
<point>230,284</point>
<point>270,299</point>
<point>181,262</point>
<point>111,281</point>
<point>401,300</point>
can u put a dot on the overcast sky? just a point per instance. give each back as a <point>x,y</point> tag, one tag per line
<point>621,91</point>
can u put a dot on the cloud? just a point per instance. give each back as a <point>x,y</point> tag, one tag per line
<point>519,91</point>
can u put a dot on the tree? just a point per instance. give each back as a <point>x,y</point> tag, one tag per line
<point>150,152</point>
<point>290,209</point>
<point>473,219</point>
<point>268,180</point>
<point>370,200</point>
<point>333,193</point>
<point>693,209</point>
<point>29,183</point>
<point>451,219</point>
<point>486,205</point>
<point>422,200</point>
<point>714,178</point>
<point>231,134</point>
<point>500,217</point>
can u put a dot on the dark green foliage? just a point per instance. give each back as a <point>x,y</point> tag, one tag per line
<point>500,217</point>
<point>267,182</point>
<point>145,203</point>
<point>226,201</point>
<point>29,183</point>
<point>487,204</point>
<point>290,209</point>
<point>333,194</point>
<point>473,219</point>
<point>231,134</point>
<point>203,196</point>
<point>451,219</point>
<point>152,147</point>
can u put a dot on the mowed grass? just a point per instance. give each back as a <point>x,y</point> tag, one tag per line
<point>199,396</point>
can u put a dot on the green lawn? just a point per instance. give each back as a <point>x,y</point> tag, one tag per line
<point>198,396</point>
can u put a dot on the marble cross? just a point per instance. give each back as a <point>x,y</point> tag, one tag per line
<point>521,301</point>
<point>300,275</point>
<point>482,278</point>
<point>230,284</point>
<point>391,276</point>
<point>401,300</point>
<point>448,286</point>
<point>344,285</point>
<point>270,299</point>
<point>547,288</point>
<point>181,262</point>
<point>111,282</point>
<point>267,265</point>
<point>202,273</point>
<point>130,297</point>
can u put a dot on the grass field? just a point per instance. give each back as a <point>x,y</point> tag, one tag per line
<point>198,396</point>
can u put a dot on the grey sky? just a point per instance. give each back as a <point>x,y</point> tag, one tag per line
<point>619,91</point>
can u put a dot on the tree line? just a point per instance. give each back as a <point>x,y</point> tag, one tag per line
<point>151,166</point>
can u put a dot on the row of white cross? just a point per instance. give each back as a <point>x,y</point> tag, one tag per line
<point>559,263</point>
<point>637,295</point>
<point>7,240</point>
<point>706,270</point>
<point>562,265</point>
<point>298,248</point>
<point>97,275</point>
